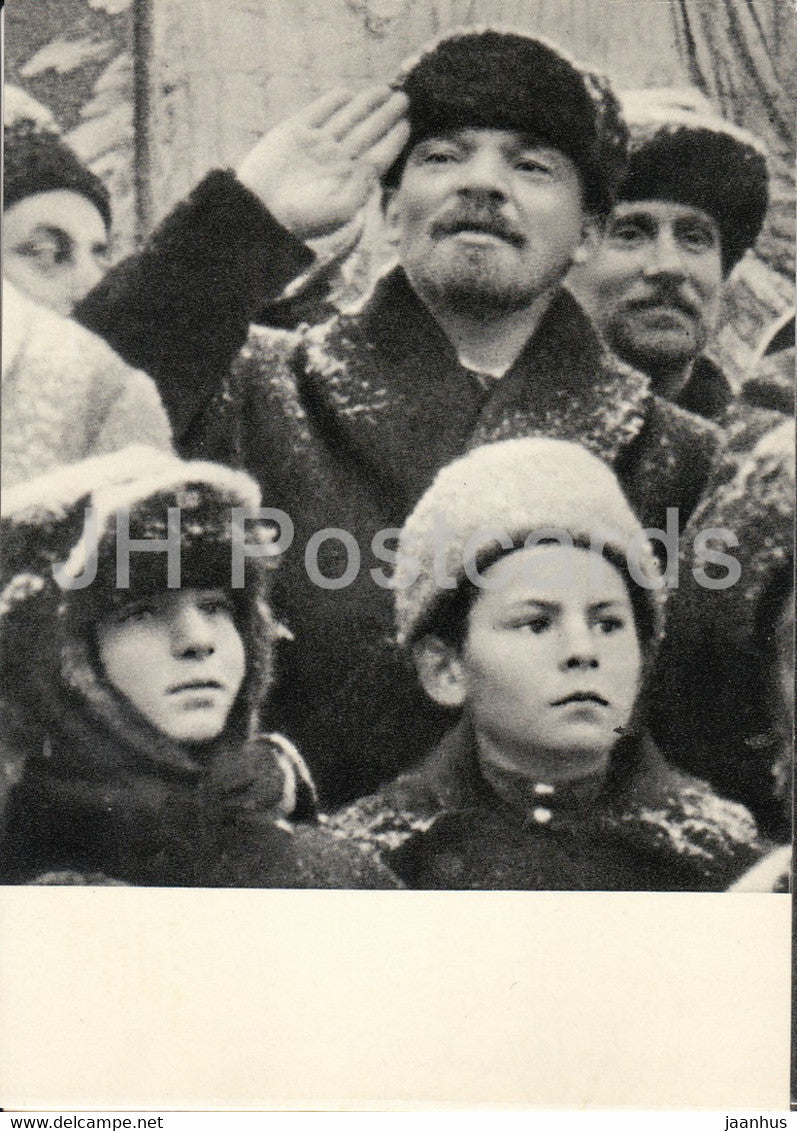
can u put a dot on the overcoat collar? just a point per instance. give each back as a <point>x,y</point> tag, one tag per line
<point>458,781</point>
<point>707,393</point>
<point>391,382</point>
<point>644,802</point>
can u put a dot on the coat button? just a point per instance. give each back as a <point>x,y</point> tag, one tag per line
<point>543,790</point>
<point>541,816</point>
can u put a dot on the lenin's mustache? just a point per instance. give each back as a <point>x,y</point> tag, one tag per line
<point>477,217</point>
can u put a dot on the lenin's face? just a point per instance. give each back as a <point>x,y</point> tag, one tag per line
<point>487,220</point>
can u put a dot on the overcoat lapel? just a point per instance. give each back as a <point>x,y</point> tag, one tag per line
<point>392,387</point>
<point>388,381</point>
<point>564,384</point>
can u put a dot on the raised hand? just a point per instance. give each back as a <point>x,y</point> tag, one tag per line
<point>315,170</point>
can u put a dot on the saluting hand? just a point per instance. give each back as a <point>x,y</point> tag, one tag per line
<point>315,170</point>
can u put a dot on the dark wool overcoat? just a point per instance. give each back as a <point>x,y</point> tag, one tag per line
<point>646,827</point>
<point>707,392</point>
<point>718,705</point>
<point>345,425</point>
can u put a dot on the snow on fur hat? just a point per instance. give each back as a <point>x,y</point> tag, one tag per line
<point>682,151</point>
<point>519,488</point>
<point>492,79</point>
<point>36,160</point>
<point>47,534</point>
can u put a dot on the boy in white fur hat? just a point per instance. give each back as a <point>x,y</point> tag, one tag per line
<point>528,598</point>
<point>132,747</point>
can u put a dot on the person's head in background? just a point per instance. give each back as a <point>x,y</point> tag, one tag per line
<point>692,203</point>
<point>56,217</point>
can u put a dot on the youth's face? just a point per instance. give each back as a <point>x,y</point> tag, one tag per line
<point>55,247</point>
<point>551,663</point>
<point>485,219</point>
<point>654,282</point>
<point>178,659</point>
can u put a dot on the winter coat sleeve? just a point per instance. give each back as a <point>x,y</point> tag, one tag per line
<point>136,413</point>
<point>180,309</point>
<point>670,462</point>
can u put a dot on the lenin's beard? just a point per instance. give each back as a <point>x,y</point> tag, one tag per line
<point>474,280</point>
<point>478,279</point>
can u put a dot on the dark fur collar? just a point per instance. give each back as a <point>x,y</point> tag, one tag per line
<point>389,381</point>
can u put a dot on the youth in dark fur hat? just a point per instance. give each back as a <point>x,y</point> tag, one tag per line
<point>56,217</point>
<point>492,79</point>
<point>133,712</point>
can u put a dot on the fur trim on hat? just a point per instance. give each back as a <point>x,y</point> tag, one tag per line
<point>690,155</point>
<point>47,535</point>
<point>36,160</point>
<point>123,480</point>
<point>515,488</point>
<point>492,78</point>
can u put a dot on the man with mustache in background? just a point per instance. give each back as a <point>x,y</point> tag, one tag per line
<point>498,157</point>
<point>691,204</point>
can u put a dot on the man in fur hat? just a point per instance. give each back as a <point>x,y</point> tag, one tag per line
<point>692,202</point>
<point>497,157</point>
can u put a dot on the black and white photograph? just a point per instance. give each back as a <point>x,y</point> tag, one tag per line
<point>397,567</point>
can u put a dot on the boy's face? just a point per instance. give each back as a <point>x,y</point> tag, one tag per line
<point>178,658</point>
<point>551,663</point>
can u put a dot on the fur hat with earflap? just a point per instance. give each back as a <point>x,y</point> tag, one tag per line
<point>64,716</point>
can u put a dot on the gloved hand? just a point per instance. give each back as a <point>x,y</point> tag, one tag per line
<point>267,777</point>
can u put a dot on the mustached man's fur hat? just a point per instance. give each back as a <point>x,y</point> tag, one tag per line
<point>35,159</point>
<point>682,151</point>
<point>47,630</point>
<point>492,79</point>
<point>517,488</point>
